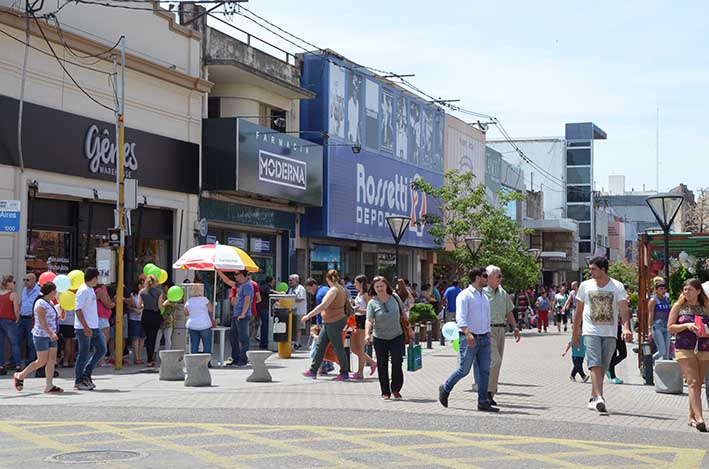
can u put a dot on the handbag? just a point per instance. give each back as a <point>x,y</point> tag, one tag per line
<point>414,361</point>
<point>403,320</point>
<point>349,309</point>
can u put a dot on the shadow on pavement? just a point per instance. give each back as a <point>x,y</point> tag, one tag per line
<point>421,401</point>
<point>518,394</point>
<point>520,385</point>
<point>651,417</point>
<point>517,406</point>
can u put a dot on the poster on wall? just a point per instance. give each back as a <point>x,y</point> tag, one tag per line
<point>387,122</point>
<point>414,132</point>
<point>371,124</point>
<point>427,146</point>
<point>337,101</point>
<point>402,139</point>
<point>354,107</point>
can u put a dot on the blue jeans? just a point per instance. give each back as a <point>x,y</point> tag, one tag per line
<point>239,340</point>
<point>205,336</point>
<point>8,329</point>
<point>85,363</point>
<point>661,337</point>
<point>479,355</point>
<point>24,332</point>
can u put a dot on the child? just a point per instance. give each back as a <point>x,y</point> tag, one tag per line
<point>326,366</point>
<point>577,356</point>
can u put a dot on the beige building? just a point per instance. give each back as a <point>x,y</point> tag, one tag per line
<point>65,182</point>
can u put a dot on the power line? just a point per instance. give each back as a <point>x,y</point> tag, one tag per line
<point>61,64</point>
<point>71,51</point>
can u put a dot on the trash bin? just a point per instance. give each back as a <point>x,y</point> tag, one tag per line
<point>282,324</point>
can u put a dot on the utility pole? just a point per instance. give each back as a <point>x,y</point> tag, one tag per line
<point>120,209</point>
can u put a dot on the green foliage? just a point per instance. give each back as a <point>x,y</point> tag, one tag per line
<point>422,312</point>
<point>626,273</point>
<point>633,301</point>
<point>677,279</point>
<point>466,212</point>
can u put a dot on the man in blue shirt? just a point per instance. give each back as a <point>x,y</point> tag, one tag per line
<point>239,332</point>
<point>449,297</point>
<point>30,292</point>
<point>472,313</point>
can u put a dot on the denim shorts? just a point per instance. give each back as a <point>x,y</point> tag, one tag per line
<point>135,329</point>
<point>103,323</point>
<point>42,344</point>
<point>599,350</point>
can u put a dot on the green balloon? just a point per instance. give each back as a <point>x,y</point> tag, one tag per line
<point>456,344</point>
<point>282,287</point>
<point>175,293</point>
<point>147,268</point>
<point>155,271</point>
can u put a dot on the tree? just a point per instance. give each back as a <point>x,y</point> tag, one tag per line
<point>624,272</point>
<point>465,211</point>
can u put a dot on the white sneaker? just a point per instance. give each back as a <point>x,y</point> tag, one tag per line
<point>592,403</point>
<point>600,404</point>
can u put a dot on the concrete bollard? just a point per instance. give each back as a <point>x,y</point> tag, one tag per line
<point>429,335</point>
<point>196,370</point>
<point>172,365</point>
<point>260,373</point>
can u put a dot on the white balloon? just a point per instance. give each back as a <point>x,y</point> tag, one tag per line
<point>683,256</point>
<point>692,259</point>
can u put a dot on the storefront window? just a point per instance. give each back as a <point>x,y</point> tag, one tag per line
<point>324,258</point>
<point>386,265</point>
<point>49,250</point>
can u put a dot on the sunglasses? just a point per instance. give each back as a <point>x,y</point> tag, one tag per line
<point>484,275</point>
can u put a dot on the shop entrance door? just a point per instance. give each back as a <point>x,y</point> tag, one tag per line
<point>49,249</point>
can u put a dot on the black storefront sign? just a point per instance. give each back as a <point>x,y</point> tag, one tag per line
<point>65,143</point>
<point>262,161</point>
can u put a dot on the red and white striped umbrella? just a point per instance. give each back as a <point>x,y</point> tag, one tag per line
<point>216,257</point>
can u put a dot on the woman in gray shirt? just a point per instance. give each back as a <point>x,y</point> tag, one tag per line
<point>151,297</point>
<point>384,312</point>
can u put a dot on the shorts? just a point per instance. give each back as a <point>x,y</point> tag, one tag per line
<point>682,354</point>
<point>135,330</point>
<point>42,344</point>
<point>67,331</point>
<point>599,350</point>
<point>103,323</point>
<point>361,320</point>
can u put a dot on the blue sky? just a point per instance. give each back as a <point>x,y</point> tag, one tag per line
<point>537,65</point>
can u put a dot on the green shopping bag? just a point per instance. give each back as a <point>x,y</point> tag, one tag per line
<point>413,357</point>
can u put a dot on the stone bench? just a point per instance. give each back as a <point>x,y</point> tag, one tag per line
<point>668,377</point>
<point>197,370</point>
<point>260,373</point>
<point>172,365</point>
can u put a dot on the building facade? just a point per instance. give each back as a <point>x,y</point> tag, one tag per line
<point>380,138</point>
<point>65,180</point>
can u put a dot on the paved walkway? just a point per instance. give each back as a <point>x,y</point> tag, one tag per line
<point>535,392</point>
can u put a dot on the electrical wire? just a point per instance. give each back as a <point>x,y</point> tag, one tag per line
<point>71,51</point>
<point>61,64</point>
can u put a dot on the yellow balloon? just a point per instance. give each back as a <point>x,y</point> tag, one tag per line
<point>163,276</point>
<point>77,279</point>
<point>67,300</point>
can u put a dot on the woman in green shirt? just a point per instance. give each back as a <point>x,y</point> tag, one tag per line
<point>383,327</point>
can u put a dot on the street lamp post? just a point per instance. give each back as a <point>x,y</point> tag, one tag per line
<point>473,243</point>
<point>398,225</point>
<point>665,208</point>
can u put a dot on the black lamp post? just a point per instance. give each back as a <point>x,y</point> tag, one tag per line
<point>665,208</point>
<point>398,225</point>
<point>473,243</point>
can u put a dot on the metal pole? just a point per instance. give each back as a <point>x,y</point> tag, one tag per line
<point>666,232</point>
<point>397,262</point>
<point>120,164</point>
<point>429,335</point>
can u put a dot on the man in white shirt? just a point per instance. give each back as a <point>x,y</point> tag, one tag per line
<point>472,313</point>
<point>88,334</point>
<point>301,307</point>
<point>599,301</point>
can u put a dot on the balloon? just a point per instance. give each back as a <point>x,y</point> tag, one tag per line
<point>175,293</point>
<point>77,279</point>
<point>147,268</point>
<point>282,287</point>
<point>155,272</point>
<point>163,276</point>
<point>62,282</point>
<point>683,256</point>
<point>67,300</point>
<point>456,344</point>
<point>46,277</point>
<point>450,330</point>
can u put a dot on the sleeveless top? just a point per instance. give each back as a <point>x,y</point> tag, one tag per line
<point>688,340</point>
<point>7,308</point>
<point>336,310</point>
<point>360,303</point>
<point>662,308</point>
<point>50,315</point>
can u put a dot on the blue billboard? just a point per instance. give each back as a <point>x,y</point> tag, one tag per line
<point>362,190</point>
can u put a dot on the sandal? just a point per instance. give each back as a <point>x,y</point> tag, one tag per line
<point>701,426</point>
<point>139,362</point>
<point>19,383</point>
<point>55,390</point>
